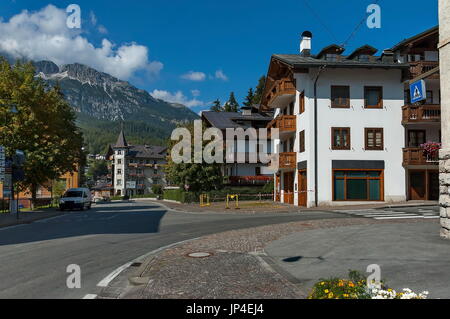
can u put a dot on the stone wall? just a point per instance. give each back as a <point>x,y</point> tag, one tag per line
<point>444,49</point>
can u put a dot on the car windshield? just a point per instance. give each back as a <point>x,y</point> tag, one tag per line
<point>74,194</point>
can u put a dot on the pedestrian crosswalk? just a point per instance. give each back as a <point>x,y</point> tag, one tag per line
<point>384,214</point>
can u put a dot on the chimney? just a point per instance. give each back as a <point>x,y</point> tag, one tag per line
<point>305,44</point>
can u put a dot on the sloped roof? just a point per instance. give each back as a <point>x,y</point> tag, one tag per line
<point>416,37</point>
<point>298,61</point>
<point>147,151</point>
<point>121,141</point>
<point>224,120</point>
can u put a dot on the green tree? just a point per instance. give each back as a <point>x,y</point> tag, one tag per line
<point>199,177</point>
<point>97,169</point>
<point>259,90</point>
<point>249,98</point>
<point>232,105</point>
<point>216,107</point>
<point>44,126</point>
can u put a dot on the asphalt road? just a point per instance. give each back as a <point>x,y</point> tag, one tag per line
<point>34,257</point>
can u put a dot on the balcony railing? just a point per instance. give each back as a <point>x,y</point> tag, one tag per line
<point>421,113</point>
<point>285,123</point>
<point>417,156</point>
<point>288,160</point>
<point>281,88</point>
<point>420,67</point>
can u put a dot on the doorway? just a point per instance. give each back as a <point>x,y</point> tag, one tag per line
<point>302,188</point>
<point>289,188</point>
<point>424,185</point>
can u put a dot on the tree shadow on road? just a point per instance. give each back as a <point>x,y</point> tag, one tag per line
<point>102,219</point>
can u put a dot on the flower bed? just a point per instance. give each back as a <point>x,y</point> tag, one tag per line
<point>356,288</point>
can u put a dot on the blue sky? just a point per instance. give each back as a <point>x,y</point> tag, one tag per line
<point>197,51</point>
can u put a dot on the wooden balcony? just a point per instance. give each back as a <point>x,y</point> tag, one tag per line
<point>421,67</point>
<point>280,94</point>
<point>285,123</point>
<point>416,156</point>
<point>288,160</point>
<point>421,114</point>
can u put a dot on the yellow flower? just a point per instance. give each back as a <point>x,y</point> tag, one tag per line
<point>330,295</point>
<point>327,291</point>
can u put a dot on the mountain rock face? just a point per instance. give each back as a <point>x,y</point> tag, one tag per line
<point>104,103</point>
<point>102,96</point>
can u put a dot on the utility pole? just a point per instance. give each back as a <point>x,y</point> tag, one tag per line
<point>444,57</point>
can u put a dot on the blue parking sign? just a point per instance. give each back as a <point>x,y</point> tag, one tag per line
<point>418,91</point>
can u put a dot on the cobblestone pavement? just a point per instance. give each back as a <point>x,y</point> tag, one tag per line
<point>234,268</point>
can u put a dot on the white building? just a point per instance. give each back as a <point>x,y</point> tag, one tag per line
<point>340,122</point>
<point>136,168</point>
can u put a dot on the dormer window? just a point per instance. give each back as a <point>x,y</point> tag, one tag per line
<point>363,58</point>
<point>331,57</point>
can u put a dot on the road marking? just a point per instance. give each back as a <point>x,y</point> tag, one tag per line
<point>90,296</point>
<point>399,217</point>
<point>105,282</point>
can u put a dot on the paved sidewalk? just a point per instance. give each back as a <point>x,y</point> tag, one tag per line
<point>410,254</point>
<point>236,267</point>
<point>7,220</point>
<point>253,207</point>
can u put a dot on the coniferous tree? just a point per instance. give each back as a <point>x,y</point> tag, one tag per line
<point>259,90</point>
<point>232,105</point>
<point>249,98</point>
<point>216,107</point>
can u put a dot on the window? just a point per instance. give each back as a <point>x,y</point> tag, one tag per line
<point>364,58</point>
<point>291,109</point>
<point>407,96</point>
<point>155,171</point>
<point>374,139</point>
<point>373,97</point>
<point>429,97</point>
<point>257,171</point>
<point>119,172</point>
<point>119,182</point>
<point>340,138</point>
<point>331,57</point>
<point>119,161</point>
<point>302,102</point>
<point>119,152</point>
<point>358,185</point>
<point>302,141</point>
<point>416,138</point>
<point>340,96</point>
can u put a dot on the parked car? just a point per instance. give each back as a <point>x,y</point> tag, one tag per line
<point>76,198</point>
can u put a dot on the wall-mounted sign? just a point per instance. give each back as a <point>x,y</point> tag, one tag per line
<point>418,91</point>
<point>131,184</point>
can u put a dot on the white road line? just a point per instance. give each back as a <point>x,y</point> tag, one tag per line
<point>399,217</point>
<point>432,217</point>
<point>90,296</point>
<point>390,215</point>
<point>114,274</point>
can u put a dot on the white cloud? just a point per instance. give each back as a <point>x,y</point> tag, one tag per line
<point>194,76</point>
<point>44,35</point>
<point>195,93</point>
<point>102,29</point>
<point>221,76</point>
<point>177,97</point>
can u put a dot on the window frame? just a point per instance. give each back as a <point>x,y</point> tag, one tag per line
<point>302,103</point>
<point>341,148</point>
<point>380,102</point>
<point>366,139</point>
<point>368,179</point>
<point>340,106</point>
<point>301,138</point>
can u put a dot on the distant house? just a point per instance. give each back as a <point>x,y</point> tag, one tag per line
<point>134,169</point>
<point>246,173</point>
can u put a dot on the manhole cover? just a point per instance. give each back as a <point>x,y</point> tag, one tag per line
<point>199,255</point>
